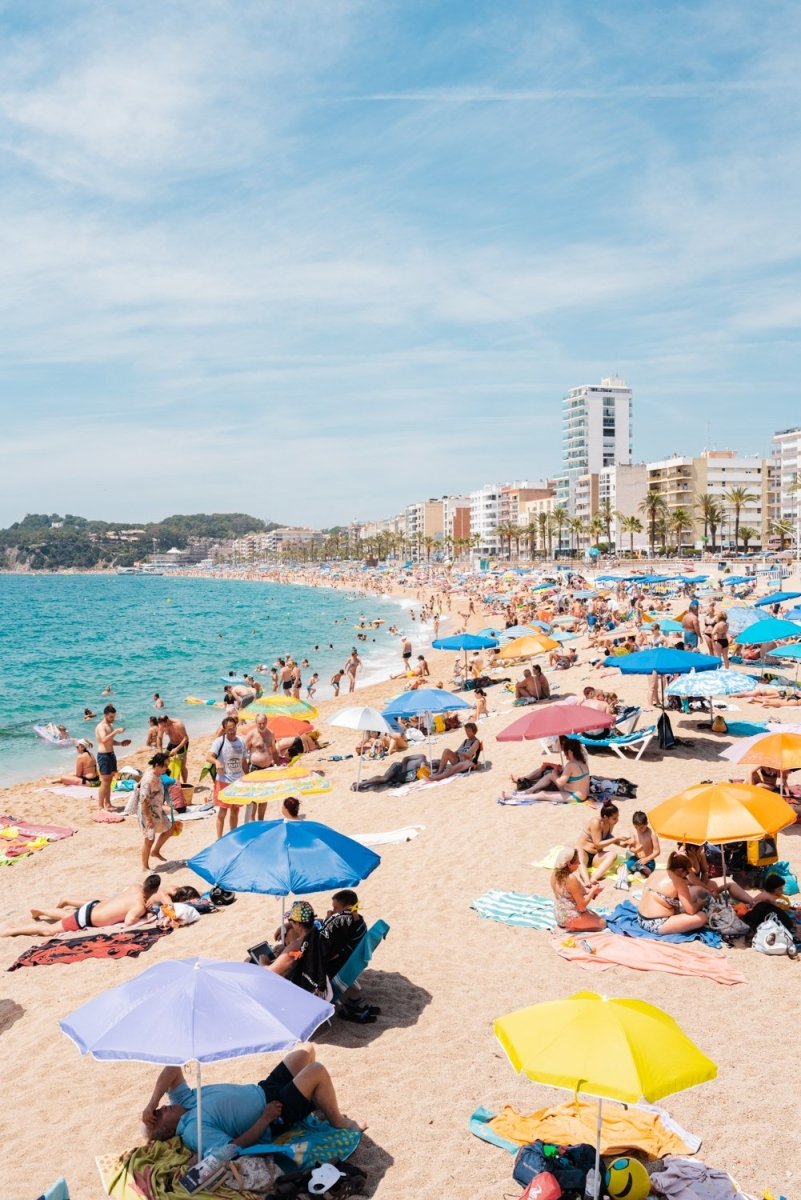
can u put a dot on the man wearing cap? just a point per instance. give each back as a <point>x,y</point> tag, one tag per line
<point>105,733</point>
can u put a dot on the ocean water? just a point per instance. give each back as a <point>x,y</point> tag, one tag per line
<point>63,638</point>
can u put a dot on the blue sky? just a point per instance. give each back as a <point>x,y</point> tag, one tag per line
<point>315,260</point>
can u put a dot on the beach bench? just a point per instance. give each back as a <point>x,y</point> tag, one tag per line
<point>638,739</point>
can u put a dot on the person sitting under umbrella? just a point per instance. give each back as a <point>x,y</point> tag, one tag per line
<point>245,1114</point>
<point>301,956</point>
<point>455,762</point>
<point>669,903</point>
<point>570,782</point>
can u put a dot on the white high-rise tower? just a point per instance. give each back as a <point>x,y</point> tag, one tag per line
<point>596,431</point>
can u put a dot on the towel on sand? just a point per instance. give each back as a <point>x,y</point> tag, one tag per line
<point>34,829</point>
<point>128,943</point>
<point>624,920</point>
<point>635,1127</point>
<point>153,1172</point>
<point>389,838</point>
<point>516,908</point>
<point>613,950</point>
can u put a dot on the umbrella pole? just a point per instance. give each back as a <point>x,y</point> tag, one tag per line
<point>596,1187</point>
<point>199,1111</point>
<point>723,863</point>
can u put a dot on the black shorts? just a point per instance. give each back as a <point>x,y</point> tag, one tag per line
<point>107,763</point>
<point>287,685</point>
<point>279,1085</point>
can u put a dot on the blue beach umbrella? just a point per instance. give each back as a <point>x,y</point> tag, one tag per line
<point>206,1011</point>
<point>663,661</point>
<point>282,858</point>
<point>776,598</point>
<point>712,683</point>
<point>465,641</point>
<point>791,651</point>
<point>771,629</point>
<point>424,701</point>
<point>741,616</point>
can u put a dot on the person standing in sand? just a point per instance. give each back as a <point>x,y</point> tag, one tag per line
<point>229,755</point>
<point>177,741</point>
<point>262,752</point>
<point>406,653</point>
<point>128,907</point>
<point>156,825</point>
<point>105,732</point>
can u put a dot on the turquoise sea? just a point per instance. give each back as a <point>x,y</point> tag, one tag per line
<point>63,638</point>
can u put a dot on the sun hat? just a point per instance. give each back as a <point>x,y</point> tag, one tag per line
<point>565,856</point>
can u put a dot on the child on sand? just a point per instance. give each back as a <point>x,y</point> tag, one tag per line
<point>643,846</point>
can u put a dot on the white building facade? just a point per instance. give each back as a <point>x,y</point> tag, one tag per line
<point>485,517</point>
<point>596,432</point>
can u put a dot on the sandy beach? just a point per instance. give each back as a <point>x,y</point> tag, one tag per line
<point>441,978</point>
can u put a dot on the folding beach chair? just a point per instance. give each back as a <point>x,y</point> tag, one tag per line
<point>360,958</point>
<point>640,739</point>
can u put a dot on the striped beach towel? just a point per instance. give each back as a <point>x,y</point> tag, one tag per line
<point>516,908</point>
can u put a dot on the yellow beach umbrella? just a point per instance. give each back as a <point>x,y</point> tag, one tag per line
<point>720,813</point>
<point>618,1049</point>
<point>528,646</point>
<point>269,774</point>
<point>782,751</point>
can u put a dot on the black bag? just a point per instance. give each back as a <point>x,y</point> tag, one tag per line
<point>569,1165</point>
<point>664,733</point>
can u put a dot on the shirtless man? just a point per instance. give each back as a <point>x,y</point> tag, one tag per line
<point>352,666</point>
<point>526,688</point>
<point>177,741</point>
<point>105,732</point>
<point>285,669</point>
<point>406,653</point>
<point>691,628</point>
<point>262,752</point>
<point>128,907</point>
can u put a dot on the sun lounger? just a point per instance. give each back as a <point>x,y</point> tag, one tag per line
<point>639,739</point>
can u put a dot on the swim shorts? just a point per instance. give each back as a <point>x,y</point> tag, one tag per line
<point>651,924</point>
<point>107,763</point>
<point>80,919</point>
<point>295,1107</point>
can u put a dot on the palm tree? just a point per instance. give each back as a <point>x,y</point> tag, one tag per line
<point>653,507</point>
<point>662,530</point>
<point>597,527</point>
<point>428,545</point>
<point>679,521</point>
<point>544,527</point>
<point>559,518</point>
<point>505,532</point>
<point>608,515</point>
<point>739,498</point>
<point>708,507</point>
<point>748,535</point>
<point>531,532</point>
<point>631,525</point>
<point>784,530</point>
<point>575,528</point>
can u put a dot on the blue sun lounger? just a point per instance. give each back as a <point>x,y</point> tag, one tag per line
<point>620,742</point>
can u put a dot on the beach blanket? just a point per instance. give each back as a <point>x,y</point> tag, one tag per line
<point>196,812</point>
<point>78,791</point>
<point>152,1172</point>
<point>624,920</point>
<point>420,785</point>
<point>610,950</point>
<point>310,1142</point>
<point>636,1127</point>
<point>104,817</point>
<point>740,729</point>
<point>688,1179</point>
<point>389,838</point>
<point>21,839</point>
<point>127,943</point>
<point>517,908</point>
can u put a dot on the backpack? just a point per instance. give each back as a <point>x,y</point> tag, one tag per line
<point>568,1165</point>
<point>724,920</point>
<point>664,733</point>
<point>772,938</point>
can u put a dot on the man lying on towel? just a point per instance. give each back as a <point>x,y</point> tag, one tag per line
<point>128,907</point>
<point>245,1114</point>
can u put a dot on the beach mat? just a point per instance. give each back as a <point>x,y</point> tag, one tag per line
<point>608,950</point>
<point>391,837</point>
<point>624,920</point>
<point>517,908</point>
<point>129,943</point>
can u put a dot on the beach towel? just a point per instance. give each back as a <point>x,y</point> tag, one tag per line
<point>610,950</point>
<point>624,920</point>
<point>517,908</point>
<point>34,829</point>
<point>196,812</point>
<point>740,729</point>
<point>153,1172</point>
<point>79,791</point>
<point>687,1179</point>
<point>104,817</point>
<point>128,943</point>
<point>310,1142</point>
<point>389,838</point>
<point>635,1127</point>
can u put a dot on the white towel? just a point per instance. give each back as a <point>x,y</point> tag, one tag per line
<point>387,839</point>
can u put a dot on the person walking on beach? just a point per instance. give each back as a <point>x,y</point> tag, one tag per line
<point>406,653</point>
<point>156,824</point>
<point>105,732</point>
<point>229,755</point>
<point>336,680</point>
<point>352,666</point>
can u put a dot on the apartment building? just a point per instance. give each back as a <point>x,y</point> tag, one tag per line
<point>786,466</point>
<point>456,517</point>
<point>514,495</point>
<point>424,520</point>
<point>485,517</point>
<point>596,432</point>
<point>680,481</point>
<point>279,541</point>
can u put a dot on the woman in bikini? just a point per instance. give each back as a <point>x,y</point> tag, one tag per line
<point>571,897</point>
<point>670,904</point>
<point>720,637</point>
<point>598,845</point>
<point>571,783</point>
<point>85,768</point>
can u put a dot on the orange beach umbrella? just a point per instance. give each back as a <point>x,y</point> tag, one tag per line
<point>720,813</point>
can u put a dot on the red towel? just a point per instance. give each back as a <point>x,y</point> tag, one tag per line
<point>127,943</point>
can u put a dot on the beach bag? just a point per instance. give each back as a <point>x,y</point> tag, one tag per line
<point>567,1164</point>
<point>664,733</point>
<point>544,1186</point>
<point>772,938</point>
<point>724,920</point>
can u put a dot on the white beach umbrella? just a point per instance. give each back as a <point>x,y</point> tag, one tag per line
<point>365,718</point>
